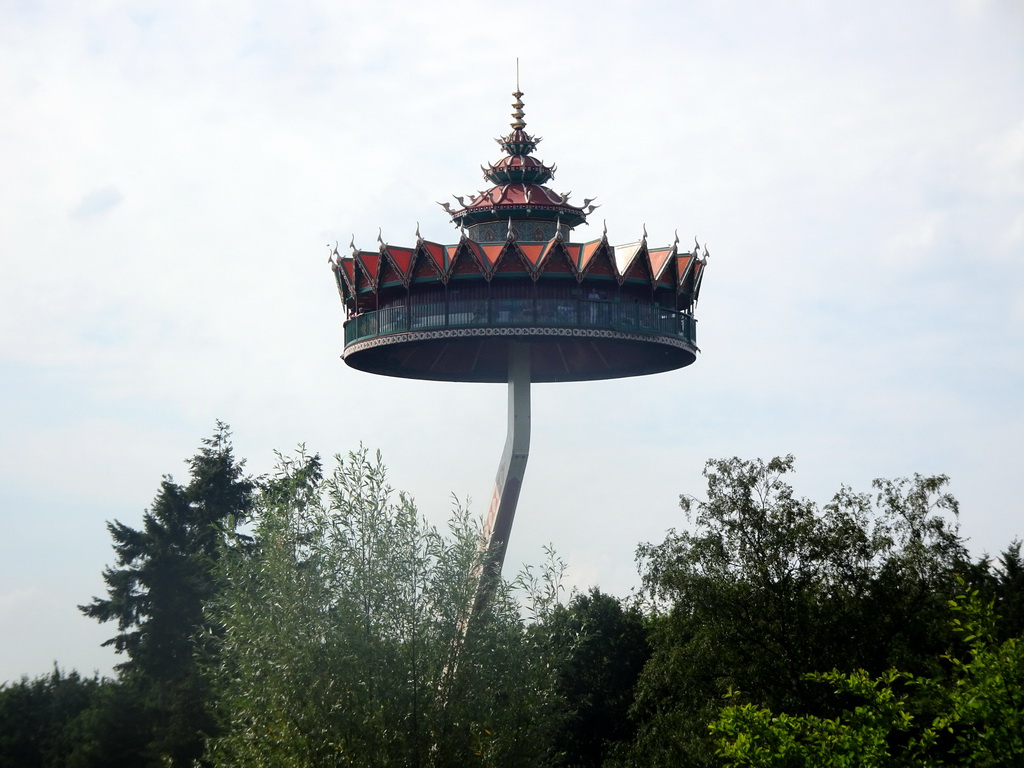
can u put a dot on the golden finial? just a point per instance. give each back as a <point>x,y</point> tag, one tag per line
<point>518,124</point>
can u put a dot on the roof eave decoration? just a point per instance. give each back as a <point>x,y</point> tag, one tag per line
<point>686,273</point>
<point>359,274</point>
<point>518,189</point>
<point>571,217</point>
<point>369,264</point>
<point>462,259</point>
<point>534,255</point>
<point>557,245</point>
<point>344,271</point>
<point>434,254</point>
<point>451,256</point>
<point>660,260</point>
<point>587,254</point>
<point>342,288</point>
<point>518,168</point>
<point>571,252</point>
<point>402,260</point>
<point>699,278</point>
<point>625,255</point>
<point>693,271</point>
<point>488,255</point>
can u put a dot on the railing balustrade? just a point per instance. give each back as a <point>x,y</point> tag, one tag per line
<point>502,312</point>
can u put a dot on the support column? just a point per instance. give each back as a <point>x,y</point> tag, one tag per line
<point>509,480</point>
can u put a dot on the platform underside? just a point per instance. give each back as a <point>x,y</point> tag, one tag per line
<point>556,354</point>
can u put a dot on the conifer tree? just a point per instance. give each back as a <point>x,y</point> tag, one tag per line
<point>163,578</point>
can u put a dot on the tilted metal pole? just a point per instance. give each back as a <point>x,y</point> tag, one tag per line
<point>509,480</point>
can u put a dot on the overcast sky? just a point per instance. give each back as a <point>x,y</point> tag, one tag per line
<point>172,172</point>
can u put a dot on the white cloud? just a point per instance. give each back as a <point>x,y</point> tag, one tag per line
<point>97,202</point>
<point>857,172</point>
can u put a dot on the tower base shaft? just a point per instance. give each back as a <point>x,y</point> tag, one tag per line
<point>509,480</point>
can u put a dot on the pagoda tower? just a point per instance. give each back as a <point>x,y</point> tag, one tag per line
<point>516,301</point>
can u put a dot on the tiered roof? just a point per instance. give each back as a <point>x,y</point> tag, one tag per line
<point>517,227</point>
<point>518,180</point>
<point>429,262</point>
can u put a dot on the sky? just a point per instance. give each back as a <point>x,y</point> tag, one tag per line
<point>172,174</point>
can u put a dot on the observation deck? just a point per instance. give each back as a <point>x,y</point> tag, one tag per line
<point>586,311</point>
<point>571,338</point>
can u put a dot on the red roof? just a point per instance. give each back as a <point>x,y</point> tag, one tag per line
<point>518,193</point>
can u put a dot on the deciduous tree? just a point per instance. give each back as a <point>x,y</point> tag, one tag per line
<point>599,647</point>
<point>767,587</point>
<point>339,635</point>
<point>972,715</point>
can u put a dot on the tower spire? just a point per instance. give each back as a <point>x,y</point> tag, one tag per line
<point>518,142</point>
<point>518,123</point>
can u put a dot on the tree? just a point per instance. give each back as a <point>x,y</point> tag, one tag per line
<point>600,647</point>
<point>35,716</point>
<point>971,716</point>
<point>66,720</point>
<point>768,587</point>
<point>159,589</point>
<point>1009,591</point>
<point>337,635</point>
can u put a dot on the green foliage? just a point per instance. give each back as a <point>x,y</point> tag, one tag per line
<point>1009,591</point>
<point>338,633</point>
<point>984,699</point>
<point>36,716</point>
<point>158,591</point>
<point>68,721</point>
<point>752,736</point>
<point>972,716</point>
<point>599,648</point>
<point>767,587</point>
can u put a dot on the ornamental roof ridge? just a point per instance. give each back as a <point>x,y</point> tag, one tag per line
<point>518,185</point>
<point>336,258</point>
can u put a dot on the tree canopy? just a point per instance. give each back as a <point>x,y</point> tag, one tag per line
<point>157,593</point>
<point>971,714</point>
<point>340,635</point>
<point>769,586</point>
<point>600,646</point>
<point>315,617</point>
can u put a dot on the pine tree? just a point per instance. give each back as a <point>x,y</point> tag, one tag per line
<point>163,579</point>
